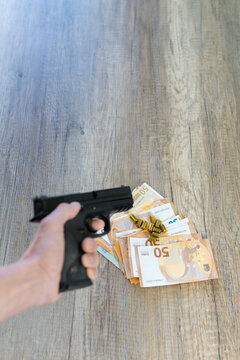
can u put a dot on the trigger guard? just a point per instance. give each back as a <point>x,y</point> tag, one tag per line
<point>92,231</point>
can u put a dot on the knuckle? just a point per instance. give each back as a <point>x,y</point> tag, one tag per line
<point>84,259</point>
<point>63,206</point>
<point>97,260</point>
<point>94,260</point>
<point>92,246</point>
<point>90,260</point>
<point>48,223</point>
<point>86,241</point>
<point>45,223</point>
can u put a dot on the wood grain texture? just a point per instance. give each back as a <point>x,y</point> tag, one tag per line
<point>95,94</point>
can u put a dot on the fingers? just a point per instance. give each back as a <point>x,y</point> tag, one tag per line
<point>64,212</point>
<point>92,273</point>
<point>90,260</point>
<point>97,224</point>
<point>89,245</point>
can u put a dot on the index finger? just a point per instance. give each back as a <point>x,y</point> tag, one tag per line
<point>97,224</point>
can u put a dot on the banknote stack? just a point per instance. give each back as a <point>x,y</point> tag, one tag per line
<point>153,245</point>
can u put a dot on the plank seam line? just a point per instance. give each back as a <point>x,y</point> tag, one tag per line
<point>70,339</point>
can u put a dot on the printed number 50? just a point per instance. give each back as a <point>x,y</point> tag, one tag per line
<point>163,253</point>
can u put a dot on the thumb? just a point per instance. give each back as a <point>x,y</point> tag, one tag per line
<point>65,212</point>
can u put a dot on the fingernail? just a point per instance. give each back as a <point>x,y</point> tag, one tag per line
<point>75,204</point>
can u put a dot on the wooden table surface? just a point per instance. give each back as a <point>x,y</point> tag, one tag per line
<point>95,94</point>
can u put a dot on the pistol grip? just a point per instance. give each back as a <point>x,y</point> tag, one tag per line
<point>74,274</point>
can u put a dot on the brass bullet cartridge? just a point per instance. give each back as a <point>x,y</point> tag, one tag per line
<point>155,234</point>
<point>150,227</point>
<point>157,230</point>
<point>133,218</point>
<point>163,228</point>
<point>139,223</point>
<point>152,219</point>
<point>158,223</point>
<point>144,225</point>
<point>152,238</point>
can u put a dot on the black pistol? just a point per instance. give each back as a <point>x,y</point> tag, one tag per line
<point>96,204</point>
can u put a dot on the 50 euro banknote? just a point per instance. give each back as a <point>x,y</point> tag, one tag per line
<point>143,197</point>
<point>178,262</point>
<point>162,210</point>
<point>171,224</point>
<point>142,240</point>
<point>175,225</point>
<point>182,227</point>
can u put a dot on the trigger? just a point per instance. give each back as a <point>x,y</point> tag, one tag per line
<point>89,227</point>
<point>92,230</point>
<point>107,223</point>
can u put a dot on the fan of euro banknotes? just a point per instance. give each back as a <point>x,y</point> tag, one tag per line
<point>153,245</point>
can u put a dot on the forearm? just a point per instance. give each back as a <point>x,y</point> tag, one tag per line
<point>20,287</point>
<point>34,279</point>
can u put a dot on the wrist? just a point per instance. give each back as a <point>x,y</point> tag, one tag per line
<point>38,281</point>
<point>20,287</point>
<point>34,281</point>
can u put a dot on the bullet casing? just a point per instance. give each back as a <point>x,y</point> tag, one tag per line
<point>150,227</point>
<point>133,218</point>
<point>155,234</point>
<point>152,238</point>
<point>139,223</point>
<point>157,223</point>
<point>163,228</point>
<point>157,230</point>
<point>152,219</point>
<point>144,225</point>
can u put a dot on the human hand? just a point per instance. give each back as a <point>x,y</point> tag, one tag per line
<point>47,250</point>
